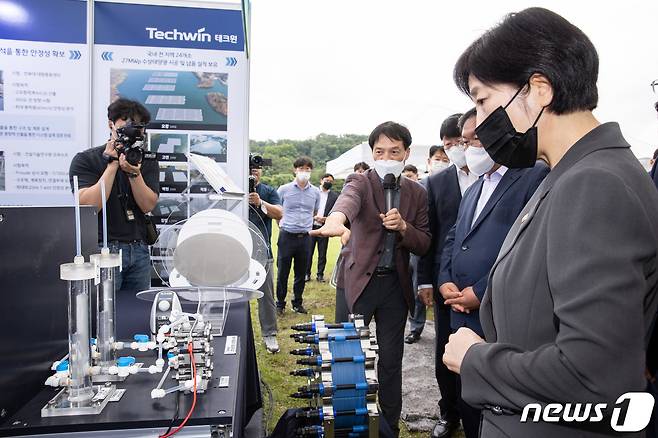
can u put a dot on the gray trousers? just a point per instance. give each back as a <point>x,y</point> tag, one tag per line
<point>382,299</point>
<point>266,306</point>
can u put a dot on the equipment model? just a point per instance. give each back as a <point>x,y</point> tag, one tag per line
<point>341,379</point>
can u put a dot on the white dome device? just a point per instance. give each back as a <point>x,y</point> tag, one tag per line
<point>214,248</point>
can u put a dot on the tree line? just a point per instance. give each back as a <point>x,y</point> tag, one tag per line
<point>283,153</point>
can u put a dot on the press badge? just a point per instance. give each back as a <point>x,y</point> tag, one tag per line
<point>130,215</point>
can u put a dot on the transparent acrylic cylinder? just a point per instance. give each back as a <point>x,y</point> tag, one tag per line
<point>106,318</point>
<point>80,389</point>
<point>80,397</point>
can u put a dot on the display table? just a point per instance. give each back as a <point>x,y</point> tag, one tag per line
<point>226,409</point>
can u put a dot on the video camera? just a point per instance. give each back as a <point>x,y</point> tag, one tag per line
<point>256,162</point>
<point>131,138</point>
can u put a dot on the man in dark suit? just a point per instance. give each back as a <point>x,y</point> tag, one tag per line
<point>486,213</point>
<point>444,191</point>
<point>327,201</point>
<point>376,274</point>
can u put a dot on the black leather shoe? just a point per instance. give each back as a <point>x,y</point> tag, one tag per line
<point>411,338</point>
<point>299,309</point>
<point>320,278</point>
<point>307,278</point>
<point>444,428</point>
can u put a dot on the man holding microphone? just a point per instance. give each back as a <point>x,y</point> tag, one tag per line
<point>387,216</point>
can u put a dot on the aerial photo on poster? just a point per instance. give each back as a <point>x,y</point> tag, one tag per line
<point>168,146</point>
<point>210,145</point>
<point>176,99</point>
<point>173,177</point>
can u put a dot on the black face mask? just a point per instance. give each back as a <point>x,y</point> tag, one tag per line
<point>503,143</point>
<point>327,185</point>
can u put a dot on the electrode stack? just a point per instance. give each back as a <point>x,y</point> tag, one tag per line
<point>341,379</point>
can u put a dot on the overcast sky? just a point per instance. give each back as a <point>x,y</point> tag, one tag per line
<point>343,66</point>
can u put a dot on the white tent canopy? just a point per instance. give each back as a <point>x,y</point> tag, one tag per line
<point>344,165</point>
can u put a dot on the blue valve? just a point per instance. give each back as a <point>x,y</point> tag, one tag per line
<point>63,366</point>
<point>141,338</point>
<point>125,361</point>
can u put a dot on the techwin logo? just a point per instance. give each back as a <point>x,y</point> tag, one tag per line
<point>176,35</point>
<point>631,413</point>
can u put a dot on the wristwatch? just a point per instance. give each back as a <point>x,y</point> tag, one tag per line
<point>132,175</point>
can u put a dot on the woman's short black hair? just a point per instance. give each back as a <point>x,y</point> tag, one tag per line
<point>361,165</point>
<point>392,130</point>
<point>126,109</point>
<point>449,127</point>
<point>303,161</point>
<point>535,40</point>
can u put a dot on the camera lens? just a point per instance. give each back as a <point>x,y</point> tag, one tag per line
<point>134,155</point>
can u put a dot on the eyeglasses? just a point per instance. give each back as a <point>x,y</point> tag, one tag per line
<point>654,84</point>
<point>466,143</point>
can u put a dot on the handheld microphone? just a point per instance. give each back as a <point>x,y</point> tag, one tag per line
<point>389,187</point>
<point>388,261</point>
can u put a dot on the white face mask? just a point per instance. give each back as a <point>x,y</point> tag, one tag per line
<point>438,166</point>
<point>384,167</point>
<point>457,155</point>
<point>303,176</point>
<point>478,160</point>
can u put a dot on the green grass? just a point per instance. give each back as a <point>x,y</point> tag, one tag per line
<point>319,298</point>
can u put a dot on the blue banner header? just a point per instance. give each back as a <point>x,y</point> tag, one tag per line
<point>57,21</point>
<point>168,26</point>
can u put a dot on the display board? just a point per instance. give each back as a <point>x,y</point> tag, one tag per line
<point>188,67</point>
<point>44,98</point>
<point>185,61</point>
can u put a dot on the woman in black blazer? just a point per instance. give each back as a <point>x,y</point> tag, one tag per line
<point>573,294</point>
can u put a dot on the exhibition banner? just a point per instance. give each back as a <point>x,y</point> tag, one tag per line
<point>187,65</point>
<point>44,98</point>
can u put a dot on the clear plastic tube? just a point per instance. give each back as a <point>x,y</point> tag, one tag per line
<point>104,212</point>
<point>164,376</point>
<point>176,388</point>
<point>105,323</point>
<point>80,389</point>
<point>78,242</point>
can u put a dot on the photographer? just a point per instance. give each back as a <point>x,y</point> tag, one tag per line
<point>265,205</point>
<point>131,190</point>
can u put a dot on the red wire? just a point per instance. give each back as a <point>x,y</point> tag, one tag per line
<point>189,414</point>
